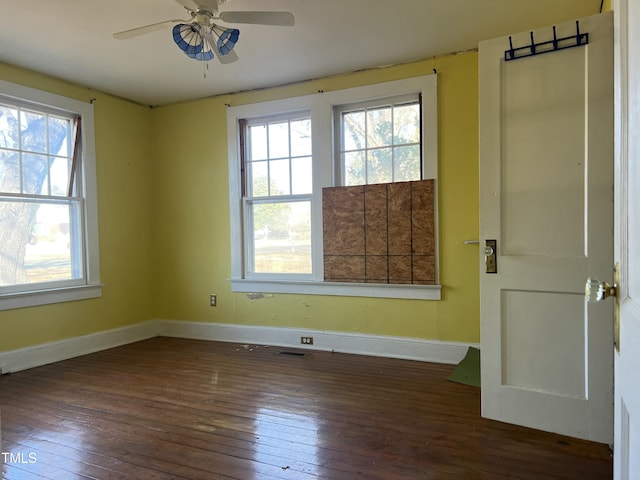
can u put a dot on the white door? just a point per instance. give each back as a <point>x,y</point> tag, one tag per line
<point>627,251</point>
<point>546,197</point>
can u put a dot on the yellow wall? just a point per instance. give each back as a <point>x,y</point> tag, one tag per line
<point>125,204</point>
<point>164,220</point>
<point>192,225</point>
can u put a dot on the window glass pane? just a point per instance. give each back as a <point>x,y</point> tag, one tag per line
<point>279,140</point>
<point>301,181</point>
<point>406,124</point>
<point>279,177</point>
<point>8,127</point>
<point>379,166</point>
<point>406,163</point>
<point>35,171</point>
<point>257,142</point>
<point>282,237</point>
<point>354,168</point>
<point>41,247</point>
<point>353,130</point>
<point>379,132</point>
<point>59,171</point>
<point>33,131</point>
<point>9,171</point>
<point>259,179</point>
<point>60,136</point>
<point>301,138</point>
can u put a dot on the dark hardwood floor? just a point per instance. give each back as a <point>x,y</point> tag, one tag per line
<point>171,408</point>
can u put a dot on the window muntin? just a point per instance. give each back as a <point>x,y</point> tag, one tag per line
<point>277,200</point>
<point>380,141</point>
<point>48,214</point>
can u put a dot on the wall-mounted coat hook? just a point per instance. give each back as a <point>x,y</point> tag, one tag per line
<point>577,40</point>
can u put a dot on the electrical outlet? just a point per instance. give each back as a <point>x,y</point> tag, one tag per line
<point>306,340</point>
<point>213,300</point>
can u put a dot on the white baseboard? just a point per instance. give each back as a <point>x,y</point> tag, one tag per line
<point>43,354</point>
<point>356,343</point>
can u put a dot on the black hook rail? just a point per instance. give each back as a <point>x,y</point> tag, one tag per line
<point>577,40</point>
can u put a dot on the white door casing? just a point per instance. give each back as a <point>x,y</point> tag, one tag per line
<point>627,238</point>
<point>546,196</point>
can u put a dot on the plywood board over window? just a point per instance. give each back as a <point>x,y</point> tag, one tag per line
<point>382,233</point>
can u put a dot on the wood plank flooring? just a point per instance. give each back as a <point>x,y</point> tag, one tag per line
<point>170,408</point>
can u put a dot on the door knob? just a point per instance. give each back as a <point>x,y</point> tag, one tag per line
<point>597,291</point>
<point>490,260</point>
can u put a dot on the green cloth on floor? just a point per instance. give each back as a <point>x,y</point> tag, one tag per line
<point>468,370</point>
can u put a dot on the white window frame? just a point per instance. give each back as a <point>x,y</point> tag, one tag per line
<point>250,200</point>
<point>90,286</point>
<point>321,106</point>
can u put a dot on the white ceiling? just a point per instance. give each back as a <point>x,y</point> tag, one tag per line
<point>72,40</point>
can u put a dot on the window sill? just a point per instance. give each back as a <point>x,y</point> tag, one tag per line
<point>45,297</point>
<point>411,292</point>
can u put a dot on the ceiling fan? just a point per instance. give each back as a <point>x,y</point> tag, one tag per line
<point>202,39</point>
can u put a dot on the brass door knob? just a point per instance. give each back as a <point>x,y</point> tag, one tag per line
<point>597,291</point>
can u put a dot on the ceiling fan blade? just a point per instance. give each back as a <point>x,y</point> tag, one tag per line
<point>230,57</point>
<point>135,32</point>
<point>208,5</point>
<point>285,19</point>
<point>188,4</point>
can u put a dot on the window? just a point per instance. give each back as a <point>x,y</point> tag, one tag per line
<point>277,200</point>
<point>48,242</point>
<point>282,154</point>
<point>380,142</point>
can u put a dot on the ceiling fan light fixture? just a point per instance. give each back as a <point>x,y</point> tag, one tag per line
<point>190,39</point>
<point>200,38</point>
<point>226,38</point>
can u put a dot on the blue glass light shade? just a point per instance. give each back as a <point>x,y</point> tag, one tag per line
<point>199,41</point>
<point>190,39</point>
<point>226,38</point>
